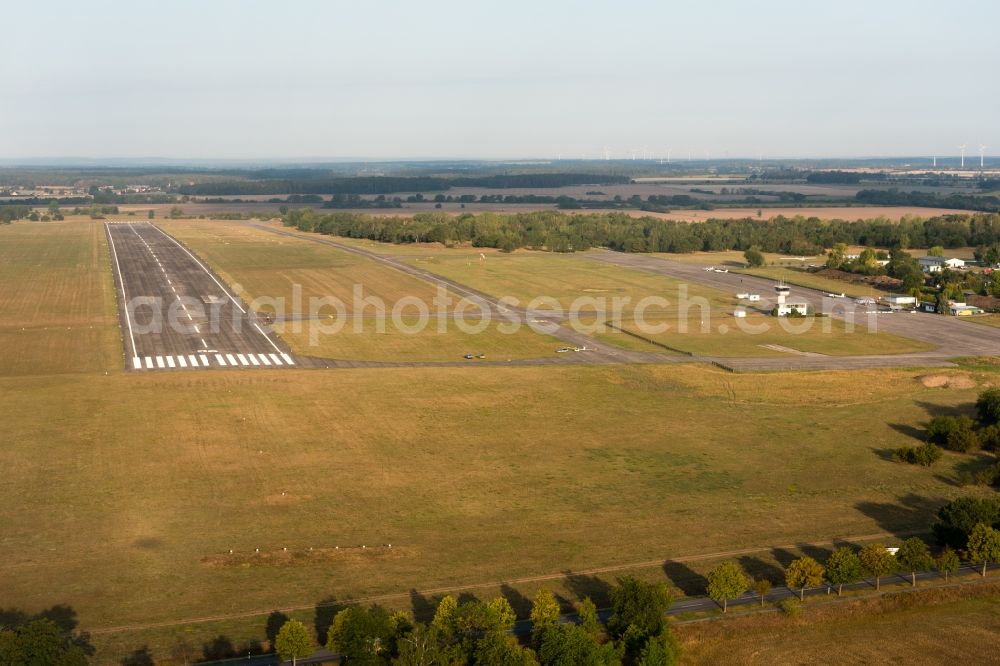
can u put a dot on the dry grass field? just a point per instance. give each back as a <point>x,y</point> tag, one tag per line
<point>958,626</point>
<point>763,335</point>
<point>57,299</point>
<point>125,492</point>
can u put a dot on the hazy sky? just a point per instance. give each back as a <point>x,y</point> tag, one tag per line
<point>510,78</point>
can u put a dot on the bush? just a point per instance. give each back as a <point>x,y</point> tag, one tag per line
<point>790,607</point>
<point>984,477</point>
<point>989,437</point>
<point>939,428</point>
<point>988,406</point>
<point>963,438</point>
<point>924,455</point>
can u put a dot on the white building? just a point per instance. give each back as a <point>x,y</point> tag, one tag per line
<point>899,300</point>
<point>954,262</point>
<point>786,309</point>
<point>931,264</point>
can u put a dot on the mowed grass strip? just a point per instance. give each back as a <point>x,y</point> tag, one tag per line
<point>269,266</point>
<point>566,279</point>
<point>125,493</point>
<point>721,334</point>
<point>57,298</point>
<point>409,338</point>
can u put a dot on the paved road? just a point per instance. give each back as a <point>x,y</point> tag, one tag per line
<point>175,314</point>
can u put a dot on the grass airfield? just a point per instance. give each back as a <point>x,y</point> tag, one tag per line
<point>125,492</point>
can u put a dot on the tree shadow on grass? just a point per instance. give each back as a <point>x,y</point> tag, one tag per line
<point>275,621</point>
<point>758,568</point>
<point>520,603</point>
<point>689,581</point>
<point>909,513</point>
<point>423,607</point>
<point>818,553</point>
<point>582,585</point>
<point>326,609</point>
<point>139,657</point>
<point>919,434</point>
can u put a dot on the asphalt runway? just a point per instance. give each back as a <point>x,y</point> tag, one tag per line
<point>176,314</point>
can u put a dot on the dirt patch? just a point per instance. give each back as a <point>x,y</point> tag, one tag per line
<point>285,557</point>
<point>947,381</point>
<point>789,350</point>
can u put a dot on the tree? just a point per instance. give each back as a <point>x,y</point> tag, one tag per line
<point>545,610</point>
<point>984,545</point>
<point>727,581</point>
<point>176,211</point>
<point>837,256</point>
<point>754,257</point>
<point>39,642</point>
<point>947,562</point>
<point>589,622</point>
<point>502,650</point>
<point>661,650</point>
<point>957,519</point>
<point>988,406</point>
<point>293,641</point>
<point>936,251</point>
<point>361,635</point>
<point>876,561</point>
<point>570,644</point>
<point>151,214</point>
<point>444,618</point>
<point>802,573</point>
<point>843,568</point>
<point>913,556</point>
<point>642,606</point>
<point>761,587</point>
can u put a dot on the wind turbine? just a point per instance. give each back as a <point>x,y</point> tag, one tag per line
<point>982,155</point>
<point>607,153</point>
<point>962,149</point>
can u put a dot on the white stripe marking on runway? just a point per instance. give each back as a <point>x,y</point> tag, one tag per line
<point>136,362</point>
<point>170,362</point>
<point>159,362</point>
<point>288,359</point>
<point>264,359</point>
<point>243,359</point>
<point>194,360</point>
<point>149,361</point>
<point>232,361</point>
<point>204,360</point>
<point>121,281</point>
<point>222,361</point>
<point>182,360</point>
<point>253,359</point>
<point>274,357</point>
